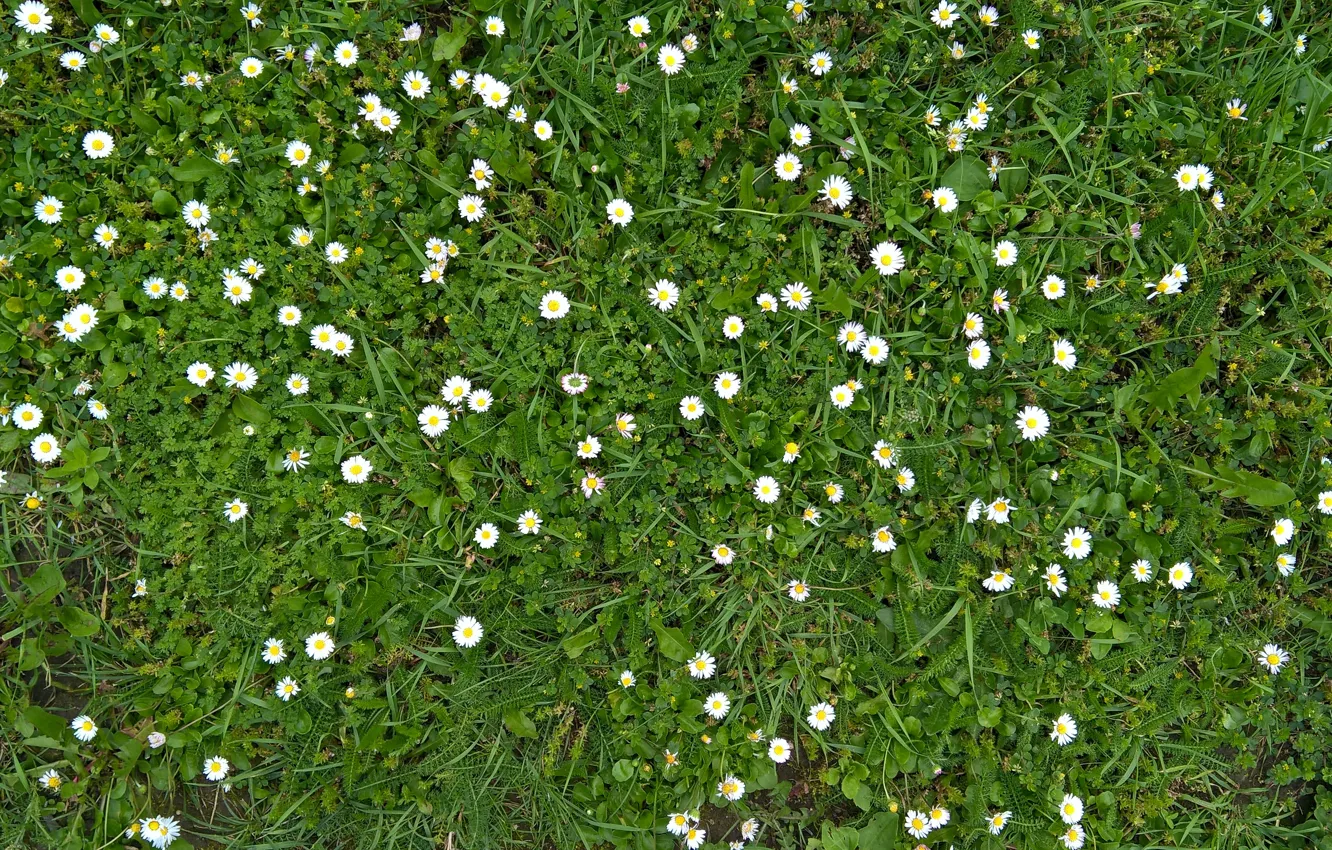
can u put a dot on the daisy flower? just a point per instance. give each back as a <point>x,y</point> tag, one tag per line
<point>1064,730</point>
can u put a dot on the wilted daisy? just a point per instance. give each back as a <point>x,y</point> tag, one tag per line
<point>999,301</point>
<point>1064,730</point>
<point>821,716</point>
<point>574,383</point>
<point>627,679</point>
<point>467,632</point>
<point>973,511</point>
<point>998,581</point>
<point>1273,657</point>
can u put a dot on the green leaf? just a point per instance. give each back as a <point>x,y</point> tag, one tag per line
<point>144,121</point>
<point>517,722</point>
<point>840,837</point>
<point>1255,489</point>
<point>967,177</point>
<point>87,12</point>
<point>578,643</point>
<point>45,582</point>
<point>351,153</point>
<point>1175,385</point>
<point>250,410</point>
<point>449,42</point>
<point>195,169</point>
<point>1012,180</point>
<point>623,770</point>
<point>78,622</point>
<point>672,642</point>
<point>165,203</point>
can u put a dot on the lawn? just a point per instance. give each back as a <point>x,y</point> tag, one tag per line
<point>839,425</point>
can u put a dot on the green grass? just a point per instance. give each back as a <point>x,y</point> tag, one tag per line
<point>1191,424</point>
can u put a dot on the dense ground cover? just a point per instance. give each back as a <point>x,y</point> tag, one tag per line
<point>843,425</point>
